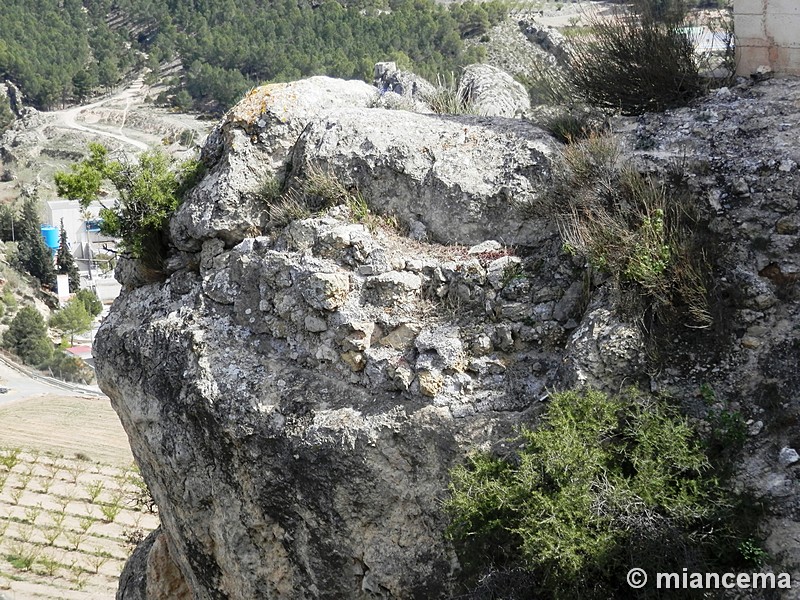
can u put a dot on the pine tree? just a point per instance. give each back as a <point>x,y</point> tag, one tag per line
<point>65,262</point>
<point>32,253</point>
<point>27,337</point>
<point>72,320</point>
<point>90,300</point>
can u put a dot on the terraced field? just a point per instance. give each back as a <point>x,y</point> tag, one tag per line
<point>67,524</point>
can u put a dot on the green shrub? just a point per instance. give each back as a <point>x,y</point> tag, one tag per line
<point>69,368</point>
<point>148,191</point>
<point>569,126</point>
<point>10,300</point>
<point>603,485</point>
<point>636,64</point>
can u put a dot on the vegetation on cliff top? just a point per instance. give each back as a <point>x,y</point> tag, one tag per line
<point>147,194</point>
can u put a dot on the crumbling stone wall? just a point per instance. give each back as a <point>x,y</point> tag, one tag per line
<point>767,33</point>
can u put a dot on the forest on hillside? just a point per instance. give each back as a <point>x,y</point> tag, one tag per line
<point>62,51</point>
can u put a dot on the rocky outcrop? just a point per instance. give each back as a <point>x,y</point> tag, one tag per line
<point>311,396</point>
<point>548,39</point>
<point>492,92</point>
<point>399,89</point>
<point>425,168</point>
<point>296,399</point>
<point>248,148</point>
<point>483,170</point>
<point>151,574</point>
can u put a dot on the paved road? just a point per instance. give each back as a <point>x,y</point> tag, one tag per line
<point>21,386</point>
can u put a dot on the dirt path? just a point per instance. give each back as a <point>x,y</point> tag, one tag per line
<point>68,118</point>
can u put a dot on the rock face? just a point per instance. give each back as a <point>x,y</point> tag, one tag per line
<point>493,92</point>
<point>309,402</point>
<point>248,148</point>
<point>295,400</point>
<point>427,168</point>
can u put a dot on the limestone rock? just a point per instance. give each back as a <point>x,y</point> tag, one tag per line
<point>151,574</point>
<point>464,178</point>
<point>548,39</point>
<point>605,352</point>
<point>788,456</point>
<point>295,400</point>
<point>249,146</point>
<point>404,83</point>
<point>297,437</point>
<point>493,92</point>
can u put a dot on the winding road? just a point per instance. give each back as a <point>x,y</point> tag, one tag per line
<point>68,118</point>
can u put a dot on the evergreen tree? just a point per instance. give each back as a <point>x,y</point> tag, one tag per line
<point>32,253</point>
<point>6,115</point>
<point>7,220</point>
<point>72,319</point>
<point>90,300</point>
<point>65,262</point>
<point>27,337</point>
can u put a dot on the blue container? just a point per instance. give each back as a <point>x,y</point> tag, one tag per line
<point>52,236</point>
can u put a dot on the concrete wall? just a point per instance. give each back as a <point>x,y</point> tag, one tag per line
<point>767,33</point>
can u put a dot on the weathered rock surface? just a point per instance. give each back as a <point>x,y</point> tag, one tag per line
<point>548,39</point>
<point>295,400</point>
<point>388,78</point>
<point>429,168</point>
<point>492,92</point>
<point>299,433</point>
<point>151,574</point>
<point>249,146</point>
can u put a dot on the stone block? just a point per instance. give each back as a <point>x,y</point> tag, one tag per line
<point>749,26</point>
<point>784,7</point>
<point>748,7</point>
<point>788,61</point>
<point>783,29</point>
<point>750,58</point>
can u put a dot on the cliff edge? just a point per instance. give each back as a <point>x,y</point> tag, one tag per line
<point>297,389</point>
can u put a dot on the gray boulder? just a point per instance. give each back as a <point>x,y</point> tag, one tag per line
<point>388,78</point>
<point>295,407</point>
<point>492,92</point>
<point>464,178</point>
<point>250,146</point>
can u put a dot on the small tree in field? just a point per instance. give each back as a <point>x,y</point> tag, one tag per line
<point>72,319</point>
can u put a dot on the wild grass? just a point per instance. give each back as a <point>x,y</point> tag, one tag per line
<point>636,229</point>
<point>446,99</point>
<point>635,63</point>
<point>316,191</point>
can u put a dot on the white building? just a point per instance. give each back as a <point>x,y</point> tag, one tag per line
<point>82,227</point>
